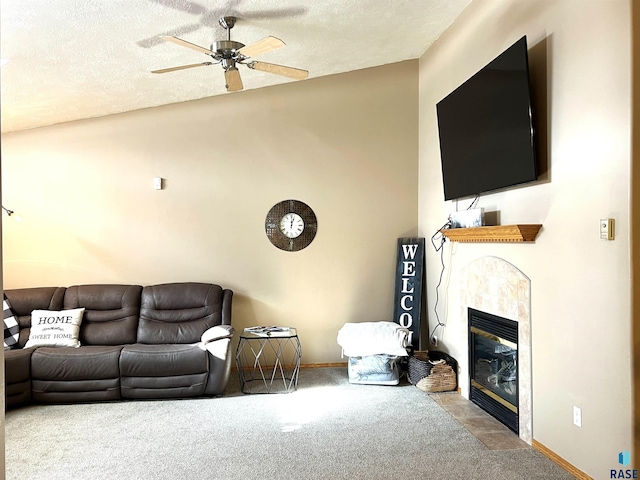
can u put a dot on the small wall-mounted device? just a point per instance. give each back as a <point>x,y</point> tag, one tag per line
<point>607,229</point>
<point>158,183</point>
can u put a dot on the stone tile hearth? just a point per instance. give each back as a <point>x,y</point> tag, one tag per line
<point>479,423</point>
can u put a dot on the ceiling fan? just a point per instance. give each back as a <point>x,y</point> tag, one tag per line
<point>229,54</point>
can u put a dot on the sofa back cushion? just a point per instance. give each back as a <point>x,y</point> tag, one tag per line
<point>111,312</point>
<point>179,312</point>
<point>25,300</point>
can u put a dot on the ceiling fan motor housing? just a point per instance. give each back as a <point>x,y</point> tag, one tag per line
<point>226,48</point>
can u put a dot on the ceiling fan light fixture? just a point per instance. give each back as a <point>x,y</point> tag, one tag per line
<point>228,64</point>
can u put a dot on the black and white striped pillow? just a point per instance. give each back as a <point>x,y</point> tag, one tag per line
<point>11,329</point>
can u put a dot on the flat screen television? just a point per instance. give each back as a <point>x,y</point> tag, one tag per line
<point>486,128</point>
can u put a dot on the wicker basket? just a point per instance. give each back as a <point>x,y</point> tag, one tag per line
<point>433,371</point>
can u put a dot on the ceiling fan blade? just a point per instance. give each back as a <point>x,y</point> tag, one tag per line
<point>184,43</point>
<point>295,73</point>
<point>234,82</point>
<point>182,67</point>
<point>261,46</point>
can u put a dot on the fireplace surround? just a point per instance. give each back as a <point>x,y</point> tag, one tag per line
<point>495,286</point>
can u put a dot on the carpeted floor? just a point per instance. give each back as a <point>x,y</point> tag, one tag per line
<point>328,429</point>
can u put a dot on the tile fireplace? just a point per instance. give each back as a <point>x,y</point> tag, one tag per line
<point>496,287</point>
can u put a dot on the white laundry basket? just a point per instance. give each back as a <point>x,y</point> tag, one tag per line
<point>374,370</point>
<point>374,350</point>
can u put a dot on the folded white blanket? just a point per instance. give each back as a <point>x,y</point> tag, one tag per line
<point>373,338</point>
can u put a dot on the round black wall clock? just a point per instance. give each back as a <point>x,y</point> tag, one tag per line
<point>291,225</point>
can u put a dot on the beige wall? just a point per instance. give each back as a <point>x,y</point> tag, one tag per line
<point>580,56</point>
<point>346,145</point>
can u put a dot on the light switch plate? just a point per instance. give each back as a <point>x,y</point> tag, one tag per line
<point>607,228</point>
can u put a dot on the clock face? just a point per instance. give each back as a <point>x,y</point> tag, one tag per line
<point>291,225</point>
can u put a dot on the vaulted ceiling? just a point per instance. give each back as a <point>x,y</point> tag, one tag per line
<point>74,59</point>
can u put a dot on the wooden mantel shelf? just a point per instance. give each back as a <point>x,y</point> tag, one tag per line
<point>499,233</point>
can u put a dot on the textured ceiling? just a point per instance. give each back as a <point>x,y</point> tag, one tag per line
<point>73,59</point>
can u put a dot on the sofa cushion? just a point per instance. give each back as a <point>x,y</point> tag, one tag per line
<point>111,312</point>
<point>178,312</point>
<point>17,365</point>
<point>25,300</point>
<point>89,373</point>
<point>55,328</point>
<point>86,363</point>
<point>17,377</point>
<point>163,371</point>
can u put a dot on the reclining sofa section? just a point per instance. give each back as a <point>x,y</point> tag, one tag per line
<point>162,341</point>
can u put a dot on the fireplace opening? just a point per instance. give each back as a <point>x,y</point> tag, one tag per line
<point>493,366</point>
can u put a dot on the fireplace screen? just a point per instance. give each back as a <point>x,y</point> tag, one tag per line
<point>493,347</point>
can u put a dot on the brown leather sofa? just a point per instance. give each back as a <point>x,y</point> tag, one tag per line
<point>162,341</point>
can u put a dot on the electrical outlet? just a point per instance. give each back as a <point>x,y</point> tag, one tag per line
<point>577,416</point>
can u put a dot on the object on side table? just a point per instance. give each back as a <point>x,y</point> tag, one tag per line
<point>273,331</point>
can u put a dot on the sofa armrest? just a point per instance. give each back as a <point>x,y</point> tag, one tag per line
<point>217,342</point>
<point>216,333</point>
<point>227,299</point>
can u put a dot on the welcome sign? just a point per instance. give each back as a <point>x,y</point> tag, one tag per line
<point>407,310</point>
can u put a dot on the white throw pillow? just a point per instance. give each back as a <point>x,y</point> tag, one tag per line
<point>55,329</point>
